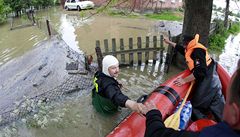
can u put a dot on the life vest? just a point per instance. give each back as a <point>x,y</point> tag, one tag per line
<point>100,103</point>
<point>190,48</point>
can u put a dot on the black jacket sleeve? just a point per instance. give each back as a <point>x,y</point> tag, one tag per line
<point>114,93</point>
<point>156,128</point>
<point>200,66</point>
<point>110,89</point>
<point>180,49</point>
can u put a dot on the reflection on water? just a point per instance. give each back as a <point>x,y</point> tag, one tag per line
<point>231,53</point>
<point>14,43</point>
<point>81,33</point>
<point>67,30</point>
<point>103,27</point>
<point>69,25</point>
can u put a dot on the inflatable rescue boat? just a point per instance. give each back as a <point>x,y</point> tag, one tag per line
<point>166,98</point>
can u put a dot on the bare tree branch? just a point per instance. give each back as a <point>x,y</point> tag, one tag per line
<point>98,11</point>
<point>236,3</point>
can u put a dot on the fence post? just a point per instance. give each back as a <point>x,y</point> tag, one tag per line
<point>155,46</point>
<point>139,46</point>
<point>32,13</point>
<point>161,50</point>
<point>48,27</point>
<point>130,54</point>
<point>40,24</point>
<point>99,55</point>
<point>169,55</point>
<point>122,49</point>
<point>106,46</point>
<point>147,53</point>
<point>114,47</point>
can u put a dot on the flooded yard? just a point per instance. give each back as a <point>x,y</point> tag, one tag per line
<point>72,115</point>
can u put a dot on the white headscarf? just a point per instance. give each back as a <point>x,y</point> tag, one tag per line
<point>107,62</point>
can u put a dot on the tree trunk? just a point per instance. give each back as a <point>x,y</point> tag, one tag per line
<point>226,14</point>
<point>197,19</point>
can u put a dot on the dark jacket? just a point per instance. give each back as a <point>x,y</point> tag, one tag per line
<point>207,95</point>
<point>155,128</point>
<point>110,89</point>
<point>198,55</point>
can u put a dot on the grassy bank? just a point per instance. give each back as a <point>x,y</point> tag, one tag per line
<point>166,15</point>
<point>122,13</point>
<point>217,41</point>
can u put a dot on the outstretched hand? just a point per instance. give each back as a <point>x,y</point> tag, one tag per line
<point>166,40</point>
<point>137,107</point>
<point>147,107</point>
<point>179,82</point>
<point>134,106</point>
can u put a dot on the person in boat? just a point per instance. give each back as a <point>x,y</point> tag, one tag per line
<point>230,127</point>
<point>106,94</point>
<point>207,97</point>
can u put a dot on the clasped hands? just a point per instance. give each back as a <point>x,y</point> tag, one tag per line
<point>142,109</point>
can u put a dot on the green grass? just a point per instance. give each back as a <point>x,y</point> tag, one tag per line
<point>217,41</point>
<point>122,14</point>
<point>171,16</point>
<point>235,29</point>
<point>166,15</point>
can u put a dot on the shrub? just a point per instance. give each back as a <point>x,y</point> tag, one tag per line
<point>217,41</point>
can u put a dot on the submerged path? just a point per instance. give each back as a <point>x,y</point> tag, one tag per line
<point>40,76</point>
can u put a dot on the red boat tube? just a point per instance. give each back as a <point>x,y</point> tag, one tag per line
<point>166,98</point>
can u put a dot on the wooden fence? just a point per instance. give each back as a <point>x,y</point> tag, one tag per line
<point>130,53</point>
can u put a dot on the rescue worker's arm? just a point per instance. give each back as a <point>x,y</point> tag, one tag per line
<point>200,65</point>
<point>199,71</point>
<point>180,81</point>
<point>179,48</point>
<point>167,41</point>
<point>156,128</point>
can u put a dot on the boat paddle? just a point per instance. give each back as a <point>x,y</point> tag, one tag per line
<point>173,121</point>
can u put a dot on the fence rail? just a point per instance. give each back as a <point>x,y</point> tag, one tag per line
<point>141,50</point>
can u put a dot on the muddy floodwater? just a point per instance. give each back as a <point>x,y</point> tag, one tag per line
<point>80,33</point>
<point>72,115</point>
<point>17,42</point>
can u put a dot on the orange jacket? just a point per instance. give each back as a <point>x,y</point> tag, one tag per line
<point>193,44</point>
